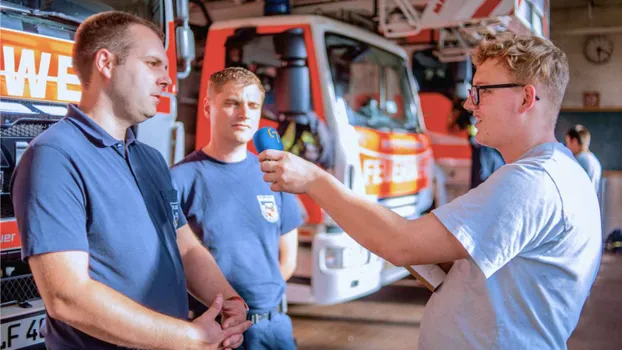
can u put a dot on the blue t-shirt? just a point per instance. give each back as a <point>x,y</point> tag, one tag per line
<point>77,189</point>
<point>240,220</point>
<point>532,233</point>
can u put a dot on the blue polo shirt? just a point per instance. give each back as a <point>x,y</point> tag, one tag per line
<point>77,188</point>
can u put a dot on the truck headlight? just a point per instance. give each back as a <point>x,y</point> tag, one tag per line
<point>334,258</point>
<point>339,258</point>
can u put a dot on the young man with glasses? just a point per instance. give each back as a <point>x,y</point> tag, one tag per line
<point>522,242</point>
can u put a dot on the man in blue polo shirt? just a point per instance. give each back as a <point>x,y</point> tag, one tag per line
<point>250,230</point>
<point>99,219</point>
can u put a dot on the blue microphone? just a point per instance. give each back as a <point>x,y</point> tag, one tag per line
<point>267,138</point>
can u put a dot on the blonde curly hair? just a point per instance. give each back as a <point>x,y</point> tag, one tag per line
<point>531,59</point>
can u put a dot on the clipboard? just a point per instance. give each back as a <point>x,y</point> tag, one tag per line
<point>431,276</point>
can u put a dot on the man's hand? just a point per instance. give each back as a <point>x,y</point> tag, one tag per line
<point>287,172</point>
<point>233,313</point>
<point>213,335</point>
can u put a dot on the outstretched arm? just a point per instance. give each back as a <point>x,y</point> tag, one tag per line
<point>402,242</point>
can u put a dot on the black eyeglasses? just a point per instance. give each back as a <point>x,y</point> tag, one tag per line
<point>474,92</point>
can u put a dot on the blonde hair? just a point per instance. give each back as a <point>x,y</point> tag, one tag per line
<point>531,59</point>
<point>236,74</point>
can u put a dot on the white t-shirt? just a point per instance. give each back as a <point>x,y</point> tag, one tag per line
<point>533,232</point>
<point>592,167</point>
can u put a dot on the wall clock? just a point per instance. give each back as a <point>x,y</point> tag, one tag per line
<point>598,49</point>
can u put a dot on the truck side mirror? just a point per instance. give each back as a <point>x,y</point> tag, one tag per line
<point>183,11</point>
<point>292,87</point>
<point>185,39</point>
<point>185,49</point>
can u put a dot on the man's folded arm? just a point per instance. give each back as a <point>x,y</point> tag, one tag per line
<point>72,297</point>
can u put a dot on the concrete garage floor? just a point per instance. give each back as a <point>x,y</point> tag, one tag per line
<point>600,325</point>
<point>390,318</point>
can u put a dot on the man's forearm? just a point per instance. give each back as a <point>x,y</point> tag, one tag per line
<point>376,228</point>
<point>103,313</point>
<point>402,242</point>
<point>203,276</point>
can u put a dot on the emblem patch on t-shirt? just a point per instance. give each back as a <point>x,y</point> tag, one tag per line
<point>175,212</point>
<point>268,208</point>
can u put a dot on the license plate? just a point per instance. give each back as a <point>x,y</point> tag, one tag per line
<point>21,333</point>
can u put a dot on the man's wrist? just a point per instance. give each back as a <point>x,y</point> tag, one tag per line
<point>314,176</point>
<point>319,178</point>
<point>239,298</point>
<point>196,337</point>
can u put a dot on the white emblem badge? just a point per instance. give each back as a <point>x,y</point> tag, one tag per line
<point>175,211</point>
<point>268,208</point>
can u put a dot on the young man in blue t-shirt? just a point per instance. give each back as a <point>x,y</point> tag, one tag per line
<point>250,230</point>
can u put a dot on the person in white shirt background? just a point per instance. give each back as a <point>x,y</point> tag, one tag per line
<point>578,141</point>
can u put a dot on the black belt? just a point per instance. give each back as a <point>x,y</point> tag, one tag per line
<point>254,318</point>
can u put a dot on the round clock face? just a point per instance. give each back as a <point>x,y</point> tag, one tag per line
<point>598,49</point>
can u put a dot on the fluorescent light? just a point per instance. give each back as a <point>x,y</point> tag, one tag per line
<point>53,110</point>
<point>14,107</point>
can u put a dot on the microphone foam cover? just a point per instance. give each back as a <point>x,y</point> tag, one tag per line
<point>267,138</point>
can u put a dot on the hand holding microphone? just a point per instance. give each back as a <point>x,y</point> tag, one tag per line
<point>285,171</point>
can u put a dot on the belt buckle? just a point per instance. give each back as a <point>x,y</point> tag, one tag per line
<point>255,318</point>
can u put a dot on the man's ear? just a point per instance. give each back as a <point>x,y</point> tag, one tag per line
<point>206,107</point>
<point>104,61</point>
<point>529,98</point>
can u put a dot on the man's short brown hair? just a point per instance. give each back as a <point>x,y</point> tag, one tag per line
<point>581,134</point>
<point>106,30</point>
<point>232,74</point>
<point>531,59</point>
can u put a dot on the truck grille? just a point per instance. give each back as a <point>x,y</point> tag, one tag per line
<point>25,129</point>
<point>6,210</point>
<point>21,131</point>
<point>18,289</point>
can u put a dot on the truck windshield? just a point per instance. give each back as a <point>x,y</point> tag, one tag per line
<point>60,18</point>
<point>372,83</point>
